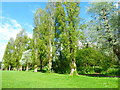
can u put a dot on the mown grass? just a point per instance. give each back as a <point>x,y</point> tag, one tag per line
<point>23,79</point>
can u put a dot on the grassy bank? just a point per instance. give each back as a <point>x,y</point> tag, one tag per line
<point>22,79</point>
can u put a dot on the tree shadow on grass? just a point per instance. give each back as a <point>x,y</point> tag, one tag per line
<point>42,71</point>
<point>98,75</point>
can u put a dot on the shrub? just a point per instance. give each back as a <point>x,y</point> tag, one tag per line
<point>97,69</point>
<point>87,58</point>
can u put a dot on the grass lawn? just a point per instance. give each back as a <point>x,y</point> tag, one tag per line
<point>23,79</point>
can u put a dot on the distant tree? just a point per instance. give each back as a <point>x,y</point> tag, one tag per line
<point>9,51</point>
<point>106,25</point>
<point>21,44</point>
<point>26,59</point>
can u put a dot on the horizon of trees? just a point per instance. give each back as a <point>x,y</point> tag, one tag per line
<point>57,34</point>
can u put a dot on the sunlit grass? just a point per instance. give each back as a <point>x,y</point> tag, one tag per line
<point>22,79</point>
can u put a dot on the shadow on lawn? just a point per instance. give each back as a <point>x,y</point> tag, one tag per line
<point>43,71</point>
<point>98,75</point>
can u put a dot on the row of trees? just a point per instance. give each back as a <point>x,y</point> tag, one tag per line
<point>56,36</point>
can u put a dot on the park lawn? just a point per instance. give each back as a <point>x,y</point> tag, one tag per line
<point>23,79</point>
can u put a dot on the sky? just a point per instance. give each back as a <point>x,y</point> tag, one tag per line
<point>15,16</point>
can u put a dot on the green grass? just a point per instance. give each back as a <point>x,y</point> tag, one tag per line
<point>22,79</point>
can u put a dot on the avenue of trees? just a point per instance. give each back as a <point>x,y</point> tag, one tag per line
<point>61,44</point>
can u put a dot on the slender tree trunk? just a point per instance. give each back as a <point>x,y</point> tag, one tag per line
<point>73,68</point>
<point>72,57</point>
<point>36,68</point>
<point>9,67</point>
<point>27,67</point>
<point>50,57</point>
<point>116,50</point>
<point>41,65</point>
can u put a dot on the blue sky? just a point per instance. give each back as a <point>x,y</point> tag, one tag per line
<point>23,12</point>
<point>18,15</point>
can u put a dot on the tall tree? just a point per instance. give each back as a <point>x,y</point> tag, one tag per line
<point>60,27</point>
<point>72,12</point>
<point>50,33</point>
<point>107,39</point>
<point>42,36</point>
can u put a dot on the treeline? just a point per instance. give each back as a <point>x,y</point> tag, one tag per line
<point>60,43</point>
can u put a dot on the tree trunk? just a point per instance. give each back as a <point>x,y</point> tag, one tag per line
<point>73,68</point>
<point>20,69</point>
<point>35,70</point>
<point>50,58</point>
<point>116,50</point>
<point>27,67</point>
<point>41,65</point>
<point>73,63</point>
<point>9,67</point>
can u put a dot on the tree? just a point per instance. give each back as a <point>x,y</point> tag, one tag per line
<point>21,44</point>
<point>72,32</point>
<point>60,63</point>
<point>26,59</point>
<point>41,36</point>
<point>7,58</point>
<point>50,33</point>
<point>107,31</point>
<point>115,20</point>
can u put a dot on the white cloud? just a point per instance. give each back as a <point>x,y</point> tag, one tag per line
<point>29,35</point>
<point>8,28</point>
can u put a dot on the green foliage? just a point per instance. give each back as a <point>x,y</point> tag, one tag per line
<point>26,58</point>
<point>35,66</point>
<point>61,65</point>
<point>112,72</point>
<point>8,59</point>
<point>106,24</point>
<point>98,69</point>
<point>88,58</point>
<point>72,34</point>
<point>43,36</point>
<point>14,50</point>
<point>21,42</point>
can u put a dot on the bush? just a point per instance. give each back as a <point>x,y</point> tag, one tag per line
<point>87,58</point>
<point>98,69</point>
<point>113,72</point>
<point>61,65</point>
